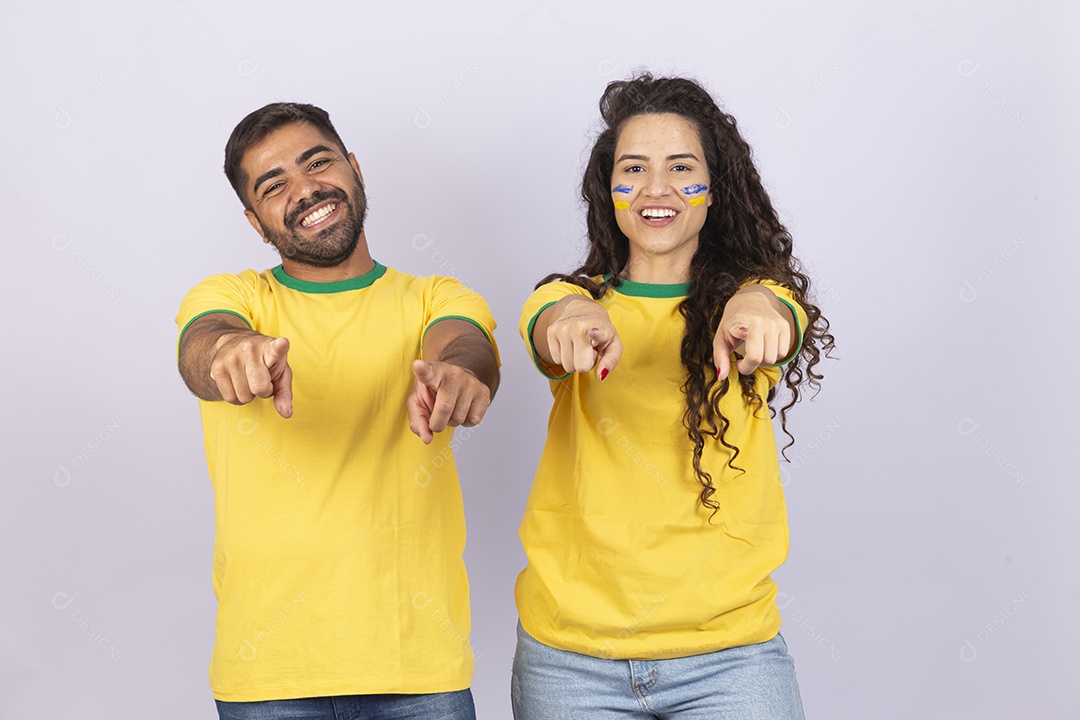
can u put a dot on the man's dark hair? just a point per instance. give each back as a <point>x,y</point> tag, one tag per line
<point>257,125</point>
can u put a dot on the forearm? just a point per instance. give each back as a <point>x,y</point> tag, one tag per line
<point>200,345</point>
<point>461,343</point>
<point>566,308</point>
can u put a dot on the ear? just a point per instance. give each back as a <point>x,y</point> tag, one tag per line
<point>708,201</point>
<point>253,219</point>
<point>356,168</point>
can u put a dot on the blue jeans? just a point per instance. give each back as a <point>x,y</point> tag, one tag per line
<point>437,706</point>
<point>751,682</point>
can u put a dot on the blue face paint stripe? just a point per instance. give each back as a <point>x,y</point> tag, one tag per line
<point>695,189</point>
<point>624,189</point>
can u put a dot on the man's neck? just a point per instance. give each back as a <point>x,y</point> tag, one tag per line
<point>357,264</point>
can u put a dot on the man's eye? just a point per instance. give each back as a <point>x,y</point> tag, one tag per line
<point>317,163</point>
<point>272,188</point>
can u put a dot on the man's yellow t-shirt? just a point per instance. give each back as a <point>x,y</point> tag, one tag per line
<point>339,535</point>
<point>623,561</point>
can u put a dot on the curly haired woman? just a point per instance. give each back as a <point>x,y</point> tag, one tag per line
<point>657,514</point>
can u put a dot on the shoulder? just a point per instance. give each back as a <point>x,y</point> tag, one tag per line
<point>245,279</point>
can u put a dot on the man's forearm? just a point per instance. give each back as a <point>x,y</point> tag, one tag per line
<point>474,354</point>
<point>198,347</point>
<point>461,343</point>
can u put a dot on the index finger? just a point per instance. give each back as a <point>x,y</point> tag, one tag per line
<point>722,349</point>
<point>419,415</point>
<point>610,352</point>
<point>446,398</point>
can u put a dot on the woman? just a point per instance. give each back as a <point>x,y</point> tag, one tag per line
<point>657,514</point>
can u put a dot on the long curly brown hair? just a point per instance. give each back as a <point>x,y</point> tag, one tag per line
<point>742,240</point>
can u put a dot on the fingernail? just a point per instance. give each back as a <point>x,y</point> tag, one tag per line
<point>603,374</point>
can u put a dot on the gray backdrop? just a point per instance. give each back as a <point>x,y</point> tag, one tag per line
<point>925,158</point>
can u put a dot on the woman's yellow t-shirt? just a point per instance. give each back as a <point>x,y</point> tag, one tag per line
<point>623,561</point>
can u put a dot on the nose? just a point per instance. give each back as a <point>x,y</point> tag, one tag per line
<point>656,185</point>
<point>304,187</point>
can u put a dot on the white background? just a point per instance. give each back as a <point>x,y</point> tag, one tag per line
<point>924,157</point>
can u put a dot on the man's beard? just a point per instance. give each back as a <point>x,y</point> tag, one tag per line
<point>329,247</point>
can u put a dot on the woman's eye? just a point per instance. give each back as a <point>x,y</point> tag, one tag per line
<point>681,168</point>
<point>634,168</point>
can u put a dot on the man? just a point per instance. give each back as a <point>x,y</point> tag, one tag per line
<point>338,553</point>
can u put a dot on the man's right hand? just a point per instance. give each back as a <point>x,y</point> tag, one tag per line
<point>578,336</point>
<point>248,365</point>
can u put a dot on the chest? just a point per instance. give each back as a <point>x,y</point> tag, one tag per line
<point>350,346</point>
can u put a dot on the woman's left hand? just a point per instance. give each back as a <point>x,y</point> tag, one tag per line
<point>758,326</point>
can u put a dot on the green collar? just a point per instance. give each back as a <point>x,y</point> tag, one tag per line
<point>652,290</point>
<point>324,288</point>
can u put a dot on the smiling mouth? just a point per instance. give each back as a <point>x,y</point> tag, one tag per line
<point>318,216</point>
<point>658,213</point>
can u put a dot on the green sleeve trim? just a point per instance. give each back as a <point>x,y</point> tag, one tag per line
<point>798,329</point>
<point>532,345</point>
<point>457,317</point>
<point>208,312</point>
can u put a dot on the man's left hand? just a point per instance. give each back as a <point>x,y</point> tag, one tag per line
<point>444,395</point>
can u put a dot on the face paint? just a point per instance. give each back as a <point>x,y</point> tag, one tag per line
<point>695,189</point>
<point>621,205</point>
<point>624,189</point>
<point>694,202</point>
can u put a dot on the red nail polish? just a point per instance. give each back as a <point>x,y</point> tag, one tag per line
<point>603,374</point>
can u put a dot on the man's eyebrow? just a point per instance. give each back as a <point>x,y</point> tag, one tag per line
<point>300,160</point>
<point>304,156</point>
<point>266,176</point>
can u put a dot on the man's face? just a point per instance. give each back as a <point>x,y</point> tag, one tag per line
<point>306,197</point>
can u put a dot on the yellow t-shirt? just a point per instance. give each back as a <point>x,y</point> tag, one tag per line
<point>622,559</point>
<point>338,553</point>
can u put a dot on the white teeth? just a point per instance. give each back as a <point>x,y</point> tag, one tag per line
<point>658,213</point>
<point>317,215</point>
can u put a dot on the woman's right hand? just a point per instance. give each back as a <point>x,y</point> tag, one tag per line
<point>576,334</point>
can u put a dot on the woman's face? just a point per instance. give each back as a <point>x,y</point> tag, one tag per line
<point>660,189</point>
